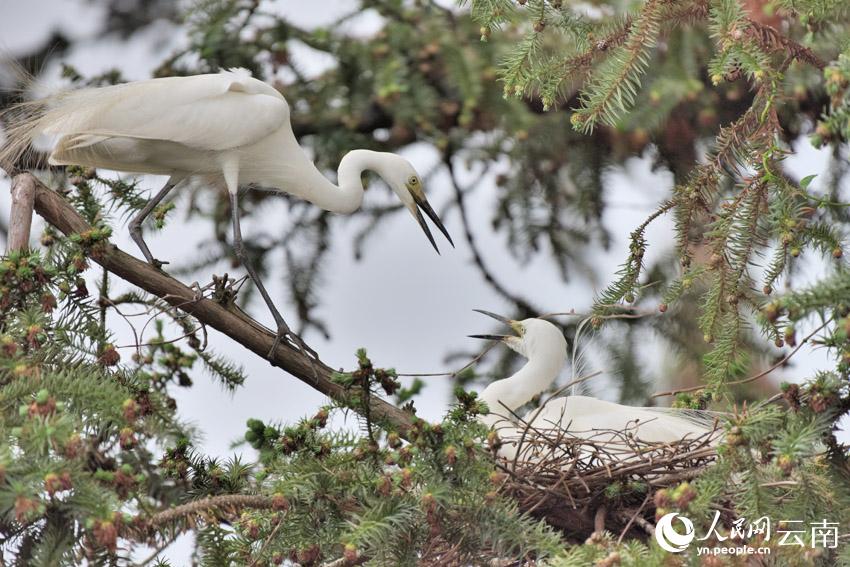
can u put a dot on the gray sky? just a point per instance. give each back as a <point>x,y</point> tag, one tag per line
<point>421,307</point>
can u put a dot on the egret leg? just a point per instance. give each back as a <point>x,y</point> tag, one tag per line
<point>136,223</point>
<point>283,329</point>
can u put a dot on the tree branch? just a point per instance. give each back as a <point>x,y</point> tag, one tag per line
<point>524,306</point>
<point>20,216</point>
<point>236,325</point>
<point>210,503</point>
<point>771,41</point>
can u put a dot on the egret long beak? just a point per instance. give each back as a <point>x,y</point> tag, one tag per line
<point>495,316</point>
<point>515,325</point>
<point>489,337</point>
<point>423,204</point>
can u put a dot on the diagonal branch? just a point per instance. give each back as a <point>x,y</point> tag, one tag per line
<point>526,309</point>
<point>772,41</point>
<point>210,504</point>
<point>236,325</point>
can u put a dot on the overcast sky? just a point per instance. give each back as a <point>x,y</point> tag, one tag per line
<point>405,304</point>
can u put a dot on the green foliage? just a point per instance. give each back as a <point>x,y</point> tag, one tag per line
<point>612,87</point>
<point>80,428</point>
<point>76,428</point>
<point>85,476</point>
<point>376,497</point>
<point>773,463</point>
<point>739,205</point>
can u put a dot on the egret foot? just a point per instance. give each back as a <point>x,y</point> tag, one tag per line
<point>198,291</point>
<point>283,331</point>
<point>136,235</point>
<point>136,223</point>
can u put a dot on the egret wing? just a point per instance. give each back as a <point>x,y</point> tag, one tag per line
<point>583,415</point>
<point>702,418</point>
<point>214,112</point>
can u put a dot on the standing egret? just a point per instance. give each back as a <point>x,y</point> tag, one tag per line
<point>228,125</point>
<point>545,347</point>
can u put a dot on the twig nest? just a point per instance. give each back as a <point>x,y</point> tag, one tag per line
<point>565,479</point>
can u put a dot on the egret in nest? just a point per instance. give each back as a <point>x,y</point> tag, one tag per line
<point>228,125</point>
<point>545,347</point>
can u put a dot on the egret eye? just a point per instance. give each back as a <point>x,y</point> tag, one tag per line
<point>414,181</point>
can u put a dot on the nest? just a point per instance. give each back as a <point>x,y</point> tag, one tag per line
<point>607,482</point>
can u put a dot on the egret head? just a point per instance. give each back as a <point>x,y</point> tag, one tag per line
<point>533,338</point>
<point>405,182</point>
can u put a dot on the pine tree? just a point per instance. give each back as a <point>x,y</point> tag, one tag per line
<point>95,463</point>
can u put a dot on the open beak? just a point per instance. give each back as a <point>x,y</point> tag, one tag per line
<point>512,324</point>
<point>489,337</point>
<point>422,205</point>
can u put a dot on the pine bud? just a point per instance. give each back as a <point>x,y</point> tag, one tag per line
<point>106,534</point>
<point>385,485</point>
<point>790,336</point>
<point>493,441</point>
<point>685,495</point>
<point>308,555</point>
<point>350,553</point>
<point>130,409</point>
<point>321,417</point>
<point>42,397</point>
<point>771,312</point>
<point>497,478</point>
<point>406,478</point>
<point>451,454</point>
<point>52,484</point>
<point>785,463</point>
<point>109,356</point>
<point>662,498</point>
<point>429,503</point>
<point>279,502</point>
<point>127,438</point>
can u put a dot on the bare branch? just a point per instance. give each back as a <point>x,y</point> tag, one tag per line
<point>20,217</point>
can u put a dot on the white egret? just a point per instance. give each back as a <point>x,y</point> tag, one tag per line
<point>228,126</point>
<point>545,347</point>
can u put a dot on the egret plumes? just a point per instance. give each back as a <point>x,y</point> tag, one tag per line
<point>545,348</point>
<point>226,125</point>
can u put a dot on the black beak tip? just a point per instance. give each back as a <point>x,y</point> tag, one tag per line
<point>493,316</point>
<point>423,204</point>
<point>487,337</point>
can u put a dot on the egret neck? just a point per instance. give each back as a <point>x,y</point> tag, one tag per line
<point>545,361</point>
<point>307,182</point>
